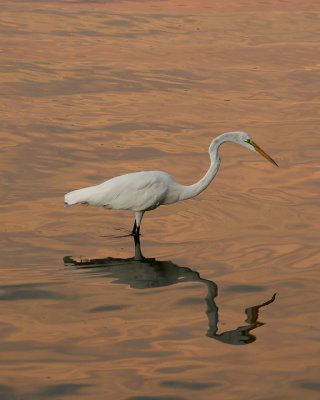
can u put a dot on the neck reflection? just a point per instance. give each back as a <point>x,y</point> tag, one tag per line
<point>144,273</point>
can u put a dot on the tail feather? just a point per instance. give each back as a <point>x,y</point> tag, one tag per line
<point>76,197</point>
<point>86,195</point>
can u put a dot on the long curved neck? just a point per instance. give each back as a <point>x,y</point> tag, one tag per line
<point>193,190</point>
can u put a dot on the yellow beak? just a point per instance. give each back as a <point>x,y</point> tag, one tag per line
<point>264,154</point>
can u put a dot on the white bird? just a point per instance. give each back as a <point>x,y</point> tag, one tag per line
<point>147,190</point>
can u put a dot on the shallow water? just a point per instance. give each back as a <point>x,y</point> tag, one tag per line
<point>91,90</point>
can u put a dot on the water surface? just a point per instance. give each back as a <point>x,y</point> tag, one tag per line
<point>91,90</point>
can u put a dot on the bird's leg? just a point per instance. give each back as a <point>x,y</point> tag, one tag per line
<point>137,223</point>
<point>137,231</point>
<point>134,229</point>
<point>137,250</point>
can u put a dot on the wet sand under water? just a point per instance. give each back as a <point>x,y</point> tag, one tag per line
<point>91,90</point>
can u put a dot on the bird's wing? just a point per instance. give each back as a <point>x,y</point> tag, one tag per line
<point>139,191</point>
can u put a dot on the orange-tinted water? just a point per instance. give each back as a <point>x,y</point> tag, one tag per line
<point>93,89</point>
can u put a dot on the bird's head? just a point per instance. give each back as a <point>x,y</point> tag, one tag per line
<point>245,140</point>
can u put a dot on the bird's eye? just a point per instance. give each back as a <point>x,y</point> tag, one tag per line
<point>249,141</point>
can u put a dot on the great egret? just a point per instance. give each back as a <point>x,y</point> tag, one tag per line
<point>147,190</point>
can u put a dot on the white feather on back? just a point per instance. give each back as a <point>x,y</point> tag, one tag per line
<point>137,191</point>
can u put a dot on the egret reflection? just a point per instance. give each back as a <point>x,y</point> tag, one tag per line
<point>144,273</point>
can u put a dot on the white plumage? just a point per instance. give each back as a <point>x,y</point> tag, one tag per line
<point>147,190</point>
<point>137,191</point>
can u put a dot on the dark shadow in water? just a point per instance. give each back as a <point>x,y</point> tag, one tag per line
<point>53,391</point>
<point>144,273</point>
